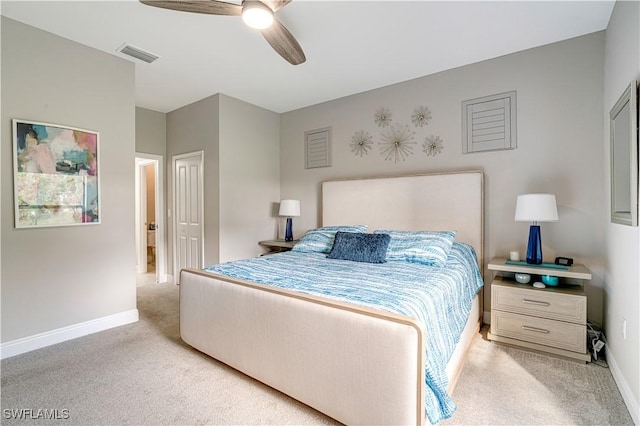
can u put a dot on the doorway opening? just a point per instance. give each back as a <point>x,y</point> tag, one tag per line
<point>151,264</point>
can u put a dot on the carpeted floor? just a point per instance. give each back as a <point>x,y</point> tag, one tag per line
<point>143,374</point>
<point>500,385</point>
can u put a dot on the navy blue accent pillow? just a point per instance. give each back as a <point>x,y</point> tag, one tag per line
<point>360,247</point>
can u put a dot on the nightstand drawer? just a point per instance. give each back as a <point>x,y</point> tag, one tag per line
<point>540,303</point>
<point>557,334</point>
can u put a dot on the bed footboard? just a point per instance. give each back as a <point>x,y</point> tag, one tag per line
<point>356,365</point>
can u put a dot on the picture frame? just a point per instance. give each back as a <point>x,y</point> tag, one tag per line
<point>623,131</point>
<point>56,178</point>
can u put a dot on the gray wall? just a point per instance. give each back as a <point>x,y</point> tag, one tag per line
<point>249,177</point>
<point>622,64</point>
<point>560,132</point>
<point>192,128</point>
<point>151,138</point>
<point>56,277</point>
<point>241,172</point>
<point>151,132</point>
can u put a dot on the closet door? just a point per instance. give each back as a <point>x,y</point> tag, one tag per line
<point>188,208</point>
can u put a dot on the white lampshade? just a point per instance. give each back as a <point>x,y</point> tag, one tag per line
<point>536,208</point>
<point>289,208</point>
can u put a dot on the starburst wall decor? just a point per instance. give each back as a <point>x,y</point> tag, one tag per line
<point>432,145</point>
<point>382,117</point>
<point>397,143</point>
<point>421,116</point>
<point>361,143</point>
<point>397,140</point>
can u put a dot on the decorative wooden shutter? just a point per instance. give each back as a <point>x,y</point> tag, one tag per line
<point>317,148</point>
<point>489,123</point>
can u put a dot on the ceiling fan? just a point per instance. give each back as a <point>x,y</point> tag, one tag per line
<point>256,14</point>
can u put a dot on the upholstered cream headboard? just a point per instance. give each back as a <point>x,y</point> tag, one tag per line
<point>435,202</point>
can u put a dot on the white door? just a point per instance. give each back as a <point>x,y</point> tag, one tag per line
<point>189,211</point>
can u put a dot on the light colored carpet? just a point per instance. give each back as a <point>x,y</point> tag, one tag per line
<point>501,385</point>
<point>145,279</point>
<point>143,374</point>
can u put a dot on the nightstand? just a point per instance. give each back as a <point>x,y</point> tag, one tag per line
<point>277,246</point>
<point>551,319</point>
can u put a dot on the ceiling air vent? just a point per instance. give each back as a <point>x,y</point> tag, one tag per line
<point>137,53</point>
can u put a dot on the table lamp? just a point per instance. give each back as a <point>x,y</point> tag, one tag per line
<point>289,209</point>
<point>536,208</point>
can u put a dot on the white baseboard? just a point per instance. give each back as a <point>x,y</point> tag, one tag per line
<point>623,386</point>
<point>48,338</point>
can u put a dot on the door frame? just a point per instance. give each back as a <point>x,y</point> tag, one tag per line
<point>142,160</point>
<point>200,155</point>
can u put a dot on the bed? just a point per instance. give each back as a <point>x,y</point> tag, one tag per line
<point>356,363</point>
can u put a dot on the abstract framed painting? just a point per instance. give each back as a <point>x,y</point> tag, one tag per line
<point>55,175</point>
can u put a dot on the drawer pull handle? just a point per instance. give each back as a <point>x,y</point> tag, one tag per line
<point>537,330</point>
<point>535,302</point>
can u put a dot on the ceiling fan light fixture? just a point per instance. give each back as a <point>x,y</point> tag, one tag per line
<point>257,15</point>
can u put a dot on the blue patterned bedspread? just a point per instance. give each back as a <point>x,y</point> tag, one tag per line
<point>439,297</point>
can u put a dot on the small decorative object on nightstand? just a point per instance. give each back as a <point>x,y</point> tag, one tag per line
<point>551,320</point>
<point>277,246</point>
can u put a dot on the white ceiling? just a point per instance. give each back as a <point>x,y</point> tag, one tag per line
<point>351,46</point>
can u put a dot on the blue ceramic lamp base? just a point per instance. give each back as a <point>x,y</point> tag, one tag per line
<point>288,233</point>
<point>534,248</point>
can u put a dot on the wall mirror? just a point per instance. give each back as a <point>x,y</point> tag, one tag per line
<point>623,128</point>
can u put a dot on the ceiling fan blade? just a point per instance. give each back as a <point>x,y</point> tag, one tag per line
<point>284,43</point>
<point>211,7</point>
<point>276,5</point>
